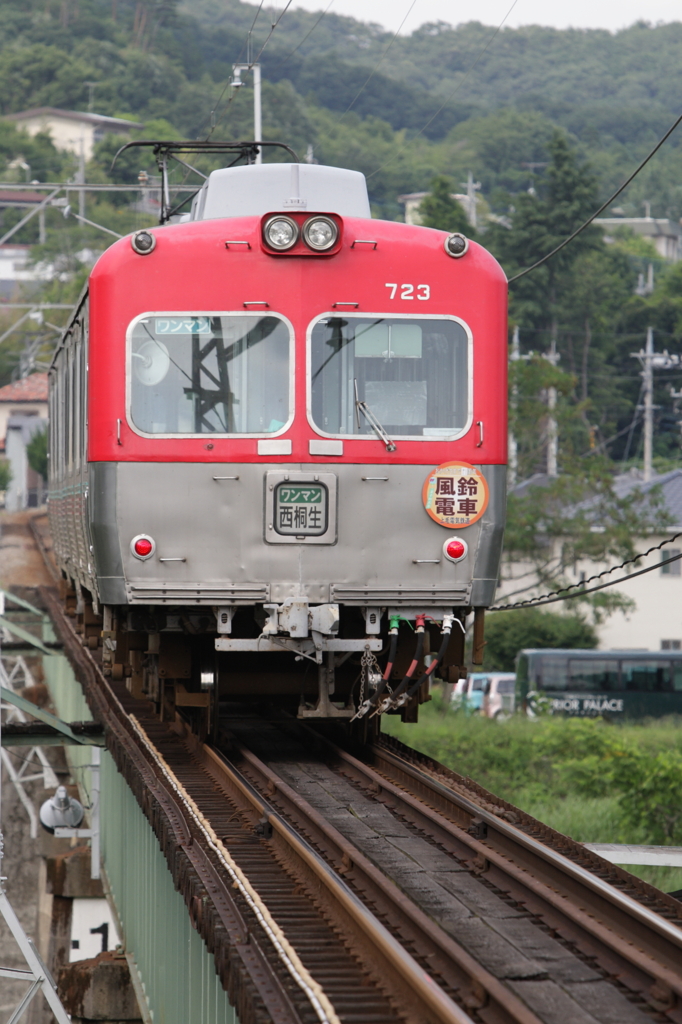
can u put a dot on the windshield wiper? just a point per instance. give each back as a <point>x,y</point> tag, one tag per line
<point>372,420</point>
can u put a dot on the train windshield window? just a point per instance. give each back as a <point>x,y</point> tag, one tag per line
<point>413,373</point>
<point>208,374</point>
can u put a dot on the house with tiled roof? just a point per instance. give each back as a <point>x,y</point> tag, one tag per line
<point>25,397</point>
<point>23,412</point>
<point>654,619</point>
<point>76,131</point>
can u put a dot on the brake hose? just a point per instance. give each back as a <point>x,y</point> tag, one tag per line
<point>447,629</point>
<point>407,678</point>
<point>368,704</point>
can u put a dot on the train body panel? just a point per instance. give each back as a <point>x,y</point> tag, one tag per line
<point>192,271</point>
<point>213,534</point>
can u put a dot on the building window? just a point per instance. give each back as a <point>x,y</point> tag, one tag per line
<point>672,568</point>
<point>671,645</point>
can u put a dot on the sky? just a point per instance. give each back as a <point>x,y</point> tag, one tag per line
<point>609,14</point>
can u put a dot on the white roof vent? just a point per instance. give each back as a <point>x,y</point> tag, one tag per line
<point>258,189</point>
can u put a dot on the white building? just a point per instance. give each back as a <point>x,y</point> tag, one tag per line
<point>655,621</point>
<point>72,130</point>
<point>666,235</point>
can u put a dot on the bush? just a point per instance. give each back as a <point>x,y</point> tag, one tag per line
<point>5,474</point>
<point>36,450</point>
<point>507,633</point>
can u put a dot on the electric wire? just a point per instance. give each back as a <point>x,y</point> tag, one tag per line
<point>251,63</point>
<point>552,596</point>
<point>381,60</point>
<point>269,36</point>
<point>307,36</point>
<point>456,89</point>
<point>227,83</point>
<point>601,209</point>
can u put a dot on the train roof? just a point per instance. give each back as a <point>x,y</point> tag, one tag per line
<point>257,189</point>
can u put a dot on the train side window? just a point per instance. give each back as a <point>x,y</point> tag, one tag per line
<point>412,372</point>
<point>77,401</point>
<point>592,674</point>
<point>647,676</point>
<point>205,374</point>
<point>60,411</point>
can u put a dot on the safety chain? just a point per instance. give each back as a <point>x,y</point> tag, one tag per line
<point>370,667</point>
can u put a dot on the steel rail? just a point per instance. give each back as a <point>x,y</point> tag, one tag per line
<point>403,964</point>
<point>567,866</point>
<point>168,818</point>
<point>452,960</point>
<point>314,992</point>
<point>613,934</point>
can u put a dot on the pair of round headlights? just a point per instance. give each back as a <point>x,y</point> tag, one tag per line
<point>282,233</point>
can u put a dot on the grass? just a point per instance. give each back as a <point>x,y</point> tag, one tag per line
<point>562,771</point>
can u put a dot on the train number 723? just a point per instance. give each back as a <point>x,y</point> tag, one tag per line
<point>407,291</point>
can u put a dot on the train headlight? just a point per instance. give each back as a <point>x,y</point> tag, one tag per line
<point>281,233</point>
<point>455,550</point>
<point>320,233</point>
<point>456,245</point>
<point>143,546</point>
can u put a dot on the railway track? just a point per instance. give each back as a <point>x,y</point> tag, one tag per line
<point>381,887</point>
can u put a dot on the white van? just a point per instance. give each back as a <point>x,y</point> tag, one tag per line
<point>498,695</point>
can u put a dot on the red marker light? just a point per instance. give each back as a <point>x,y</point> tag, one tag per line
<point>142,546</point>
<point>455,550</point>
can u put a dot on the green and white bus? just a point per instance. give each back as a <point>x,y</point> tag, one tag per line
<point>614,684</point>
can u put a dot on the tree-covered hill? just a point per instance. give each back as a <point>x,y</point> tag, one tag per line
<point>613,93</point>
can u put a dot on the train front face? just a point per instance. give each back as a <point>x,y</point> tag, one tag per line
<point>297,421</point>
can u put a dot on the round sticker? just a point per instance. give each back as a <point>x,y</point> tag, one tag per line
<point>455,495</point>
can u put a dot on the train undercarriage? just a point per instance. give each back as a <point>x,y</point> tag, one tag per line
<point>322,662</point>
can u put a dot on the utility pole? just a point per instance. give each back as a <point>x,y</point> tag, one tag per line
<point>472,188</point>
<point>513,458</point>
<point>651,361</point>
<point>513,447</point>
<point>81,178</point>
<point>236,82</point>
<point>552,357</point>
<point>648,374</point>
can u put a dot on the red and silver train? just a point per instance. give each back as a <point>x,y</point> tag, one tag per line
<point>277,449</point>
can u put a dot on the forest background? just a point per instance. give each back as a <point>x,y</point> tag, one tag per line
<point>548,121</point>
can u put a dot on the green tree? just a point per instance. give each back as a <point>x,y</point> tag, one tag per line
<point>553,525</point>
<point>439,210</point>
<point>36,450</point>
<point>507,633</point>
<point>5,474</point>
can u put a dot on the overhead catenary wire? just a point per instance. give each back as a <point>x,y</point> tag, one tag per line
<point>453,92</point>
<point>251,62</point>
<point>553,596</point>
<point>239,57</point>
<point>601,209</point>
<point>383,57</point>
<point>305,37</point>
